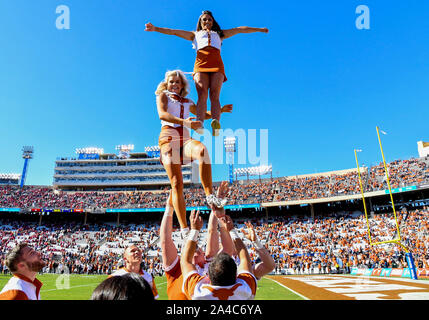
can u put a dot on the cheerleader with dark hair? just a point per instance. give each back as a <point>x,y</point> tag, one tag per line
<point>209,72</point>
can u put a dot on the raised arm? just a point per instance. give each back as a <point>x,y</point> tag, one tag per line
<point>225,238</point>
<point>243,254</point>
<point>168,248</point>
<point>187,35</point>
<point>213,233</point>
<point>267,263</point>
<point>212,247</point>
<point>232,32</point>
<point>191,243</point>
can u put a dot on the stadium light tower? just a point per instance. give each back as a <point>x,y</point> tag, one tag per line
<point>27,154</point>
<point>229,143</point>
<point>89,150</point>
<point>254,171</point>
<point>124,150</point>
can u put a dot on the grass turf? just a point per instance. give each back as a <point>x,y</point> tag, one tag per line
<point>80,287</point>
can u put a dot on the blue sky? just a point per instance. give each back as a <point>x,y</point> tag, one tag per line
<point>316,82</point>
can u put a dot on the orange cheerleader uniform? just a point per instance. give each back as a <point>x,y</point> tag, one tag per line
<point>173,137</point>
<point>208,45</point>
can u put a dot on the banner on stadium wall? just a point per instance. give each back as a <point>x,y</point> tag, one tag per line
<point>395,190</point>
<point>10,209</point>
<point>406,273</point>
<point>89,156</point>
<point>153,154</point>
<point>381,272</point>
<point>396,272</point>
<point>422,273</point>
<point>201,208</point>
<point>135,210</point>
<point>376,272</point>
<point>368,272</point>
<point>150,209</point>
<point>242,206</point>
<point>385,272</point>
<point>45,210</point>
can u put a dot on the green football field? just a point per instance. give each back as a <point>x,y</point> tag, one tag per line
<point>80,287</point>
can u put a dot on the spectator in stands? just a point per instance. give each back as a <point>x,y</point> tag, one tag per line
<point>401,173</point>
<point>129,286</point>
<point>24,263</point>
<point>289,239</point>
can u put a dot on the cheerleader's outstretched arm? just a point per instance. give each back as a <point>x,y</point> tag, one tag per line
<point>232,32</point>
<point>187,35</point>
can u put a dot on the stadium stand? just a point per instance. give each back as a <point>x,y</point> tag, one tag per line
<point>330,242</point>
<point>401,173</point>
<point>299,245</point>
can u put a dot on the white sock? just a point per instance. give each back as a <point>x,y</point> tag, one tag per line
<point>184,232</point>
<point>169,210</point>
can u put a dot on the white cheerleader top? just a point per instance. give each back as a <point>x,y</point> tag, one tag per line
<point>205,38</point>
<point>178,107</point>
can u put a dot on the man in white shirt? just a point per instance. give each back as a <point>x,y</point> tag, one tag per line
<point>133,257</point>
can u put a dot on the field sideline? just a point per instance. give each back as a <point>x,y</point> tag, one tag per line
<point>81,287</point>
<point>276,287</point>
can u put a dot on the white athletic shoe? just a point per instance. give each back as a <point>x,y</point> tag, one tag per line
<point>184,233</point>
<point>218,202</point>
<point>201,130</point>
<point>215,127</point>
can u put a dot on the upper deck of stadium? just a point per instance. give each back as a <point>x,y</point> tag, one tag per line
<point>340,185</point>
<point>98,171</point>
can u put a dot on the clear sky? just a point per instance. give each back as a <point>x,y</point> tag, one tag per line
<point>315,81</point>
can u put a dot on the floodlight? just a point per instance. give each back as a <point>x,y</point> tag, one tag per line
<point>90,150</point>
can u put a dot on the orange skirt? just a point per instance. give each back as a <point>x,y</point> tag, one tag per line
<point>209,60</point>
<point>171,141</point>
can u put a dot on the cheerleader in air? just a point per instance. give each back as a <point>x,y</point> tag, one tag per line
<point>209,72</point>
<point>176,145</point>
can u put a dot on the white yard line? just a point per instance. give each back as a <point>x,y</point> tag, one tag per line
<point>87,285</point>
<point>72,287</point>
<point>298,294</point>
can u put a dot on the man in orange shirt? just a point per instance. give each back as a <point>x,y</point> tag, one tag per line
<point>24,263</point>
<point>225,281</point>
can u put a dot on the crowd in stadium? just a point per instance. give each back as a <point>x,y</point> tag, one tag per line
<point>74,248</point>
<point>336,242</point>
<point>401,173</point>
<point>327,244</point>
